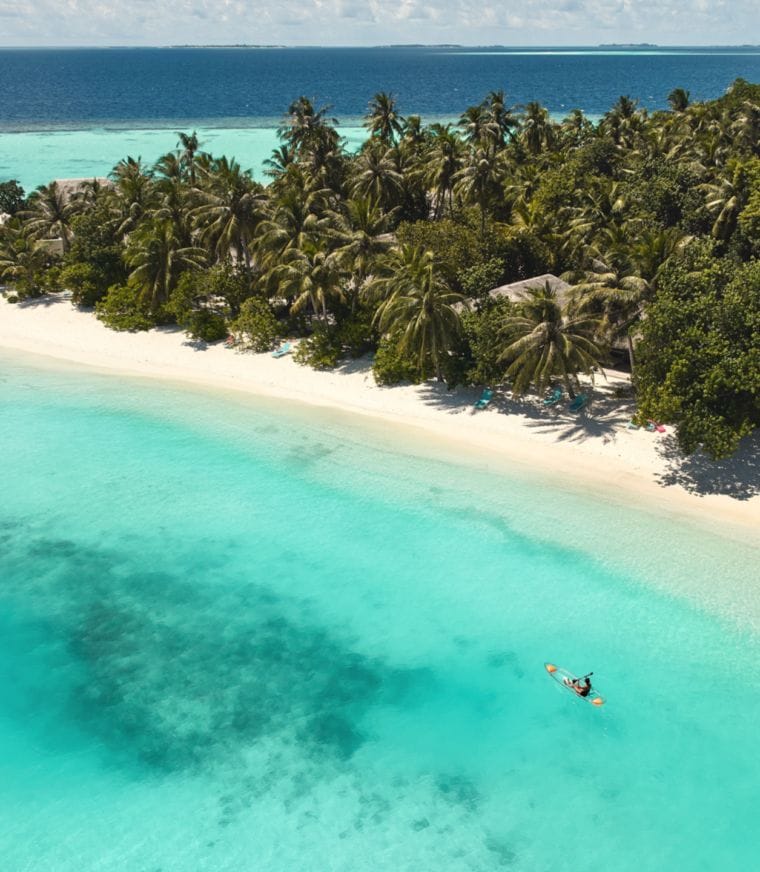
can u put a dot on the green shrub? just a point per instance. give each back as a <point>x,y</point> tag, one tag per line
<point>321,350</point>
<point>391,366</point>
<point>12,298</point>
<point>204,325</point>
<point>82,280</point>
<point>256,327</point>
<point>123,308</point>
<point>356,334</point>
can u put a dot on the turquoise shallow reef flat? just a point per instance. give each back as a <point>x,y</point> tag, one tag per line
<point>239,635</point>
<point>36,157</point>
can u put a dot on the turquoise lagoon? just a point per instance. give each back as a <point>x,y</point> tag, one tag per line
<point>36,157</point>
<point>243,635</point>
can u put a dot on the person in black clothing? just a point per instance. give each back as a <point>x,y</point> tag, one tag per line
<point>582,686</point>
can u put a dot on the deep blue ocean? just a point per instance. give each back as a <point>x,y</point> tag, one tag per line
<point>52,88</point>
<point>74,113</point>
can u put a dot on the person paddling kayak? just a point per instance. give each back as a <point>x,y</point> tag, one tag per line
<point>582,686</point>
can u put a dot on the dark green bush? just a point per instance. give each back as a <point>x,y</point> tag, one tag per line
<point>256,327</point>
<point>204,325</point>
<point>123,308</point>
<point>391,366</point>
<point>321,350</point>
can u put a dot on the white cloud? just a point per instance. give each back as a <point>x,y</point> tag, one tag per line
<point>361,22</point>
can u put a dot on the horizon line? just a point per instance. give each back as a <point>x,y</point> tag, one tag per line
<point>602,45</point>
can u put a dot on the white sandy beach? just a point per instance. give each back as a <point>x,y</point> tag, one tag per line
<point>594,446</point>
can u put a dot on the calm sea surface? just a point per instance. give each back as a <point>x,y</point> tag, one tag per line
<point>249,636</point>
<point>133,100</point>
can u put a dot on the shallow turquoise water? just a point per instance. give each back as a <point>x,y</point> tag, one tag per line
<point>243,635</point>
<point>35,157</point>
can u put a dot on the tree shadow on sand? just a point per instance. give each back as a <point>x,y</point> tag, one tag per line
<point>737,476</point>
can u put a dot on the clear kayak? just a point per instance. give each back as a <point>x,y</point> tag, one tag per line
<point>565,679</point>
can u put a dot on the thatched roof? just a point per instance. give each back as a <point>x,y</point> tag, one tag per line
<point>69,187</point>
<point>517,290</point>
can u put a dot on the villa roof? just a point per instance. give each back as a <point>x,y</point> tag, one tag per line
<point>516,290</point>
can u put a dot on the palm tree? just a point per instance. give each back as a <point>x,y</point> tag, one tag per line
<point>21,258</point>
<point>308,275</point>
<point>383,120</point>
<point>375,175</point>
<point>474,123</point>
<point>302,121</point>
<point>502,120</point>
<point>174,199</point>
<point>725,199</point>
<point>189,144</point>
<point>230,210</point>
<point>360,236</point>
<point>282,157</point>
<point>545,342</point>
<point>444,159</point>
<point>480,181</point>
<point>134,194</point>
<point>49,214</point>
<point>537,129</point>
<point>678,99</point>
<point>158,258</point>
<point>294,219</point>
<point>418,306</point>
<point>615,296</point>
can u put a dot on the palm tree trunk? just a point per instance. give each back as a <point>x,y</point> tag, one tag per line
<point>629,340</point>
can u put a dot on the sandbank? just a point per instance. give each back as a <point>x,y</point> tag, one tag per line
<point>593,449</point>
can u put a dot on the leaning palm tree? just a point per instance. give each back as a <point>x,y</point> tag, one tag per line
<point>157,259</point>
<point>545,342</point>
<point>419,307</point>
<point>49,214</point>
<point>383,121</point>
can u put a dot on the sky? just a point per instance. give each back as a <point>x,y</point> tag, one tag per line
<point>378,22</point>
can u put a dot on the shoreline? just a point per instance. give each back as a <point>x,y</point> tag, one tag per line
<point>595,449</point>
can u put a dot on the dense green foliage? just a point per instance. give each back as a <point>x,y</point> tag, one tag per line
<point>654,219</point>
<point>11,197</point>
<point>700,351</point>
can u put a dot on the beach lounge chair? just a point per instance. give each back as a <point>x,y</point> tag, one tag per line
<point>282,350</point>
<point>485,399</point>
<point>578,403</point>
<point>632,425</point>
<point>554,397</point>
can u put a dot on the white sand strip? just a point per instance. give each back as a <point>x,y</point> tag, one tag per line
<point>589,450</point>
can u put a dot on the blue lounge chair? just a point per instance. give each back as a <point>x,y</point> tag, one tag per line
<point>485,399</point>
<point>632,425</point>
<point>578,403</point>
<point>554,397</point>
<point>282,350</point>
